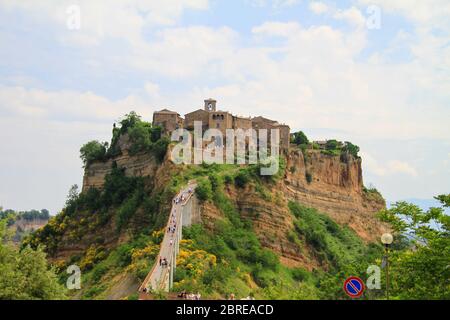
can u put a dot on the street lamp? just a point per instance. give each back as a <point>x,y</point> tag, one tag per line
<point>387,239</point>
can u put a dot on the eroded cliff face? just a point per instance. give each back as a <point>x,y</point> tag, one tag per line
<point>272,222</point>
<point>335,187</point>
<point>140,165</point>
<point>331,184</point>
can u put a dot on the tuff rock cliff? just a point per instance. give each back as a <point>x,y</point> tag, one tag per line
<point>331,184</point>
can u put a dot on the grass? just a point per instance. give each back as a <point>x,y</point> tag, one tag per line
<point>335,245</point>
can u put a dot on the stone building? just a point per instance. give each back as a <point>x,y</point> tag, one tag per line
<point>242,123</point>
<point>168,120</point>
<point>222,120</point>
<point>268,124</point>
<point>198,115</point>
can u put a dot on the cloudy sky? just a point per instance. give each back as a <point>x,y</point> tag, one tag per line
<point>374,72</point>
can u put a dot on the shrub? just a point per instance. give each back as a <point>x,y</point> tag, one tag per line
<point>242,178</point>
<point>300,274</point>
<point>93,291</point>
<point>299,138</point>
<point>332,144</point>
<point>308,177</point>
<point>139,136</point>
<point>128,209</point>
<point>134,296</point>
<point>351,148</point>
<point>118,187</point>
<point>228,179</point>
<point>262,277</point>
<point>123,255</point>
<point>98,272</point>
<point>159,148</point>
<point>93,151</point>
<point>215,181</point>
<point>204,190</point>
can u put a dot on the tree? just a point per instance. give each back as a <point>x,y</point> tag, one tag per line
<point>139,135</point>
<point>129,120</point>
<point>73,195</point>
<point>351,148</point>
<point>25,274</point>
<point>93,151</point>
<point>421,271</point>
<point>204,190</point>
<point>332,144</point>
<point>242,178</point>
<point>299,138</point>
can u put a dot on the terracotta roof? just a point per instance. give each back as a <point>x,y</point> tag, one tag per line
<point>264,119</point>
<point>196,111</point>
<point>167,111</point>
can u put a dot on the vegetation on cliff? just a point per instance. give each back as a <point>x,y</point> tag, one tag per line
<point>228,258</point>
<point>332,147</point>
<point>144,137</point>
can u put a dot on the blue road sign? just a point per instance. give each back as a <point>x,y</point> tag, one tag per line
<point>354,287</point>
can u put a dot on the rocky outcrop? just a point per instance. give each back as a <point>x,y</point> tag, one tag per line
<point>22,227</point>
<point>333,185</point>
<point>26,225</point>
<point>139,165</point>
<point>272,222</point>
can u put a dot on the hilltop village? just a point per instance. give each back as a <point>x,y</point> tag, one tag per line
<point>217,119</point>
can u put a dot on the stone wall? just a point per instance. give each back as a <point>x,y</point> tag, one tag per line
<point>242,123</point>
<point>220,120</point>
<point>191,212</point>
<point>199,115</point>
<point>169,121</point>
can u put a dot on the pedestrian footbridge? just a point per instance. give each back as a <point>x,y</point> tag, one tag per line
<point>183,213</point>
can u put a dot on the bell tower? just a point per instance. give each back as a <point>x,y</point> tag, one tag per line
<point>210,105</point>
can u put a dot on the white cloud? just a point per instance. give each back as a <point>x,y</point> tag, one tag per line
<point>282,29</point>
<point>318,7</point>
<point>184,52</point>
<point>430,13</point>
<point>66,106</point>
<point>284,3</point>
<point>352,16</point>
<point>276,4</point>
<point>397,166</point>
<point>392,167</point>
<point>100,21</point>
<point>152,89</point>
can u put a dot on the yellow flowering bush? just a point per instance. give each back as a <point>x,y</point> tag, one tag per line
<point>195,262</point>
<point>93,255</point>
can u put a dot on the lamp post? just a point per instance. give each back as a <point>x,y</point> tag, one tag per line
<point>387,239</point>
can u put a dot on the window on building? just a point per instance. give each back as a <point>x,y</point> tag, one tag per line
<point>218,141</point>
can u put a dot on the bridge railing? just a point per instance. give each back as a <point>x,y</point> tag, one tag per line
<point>161,282</point>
